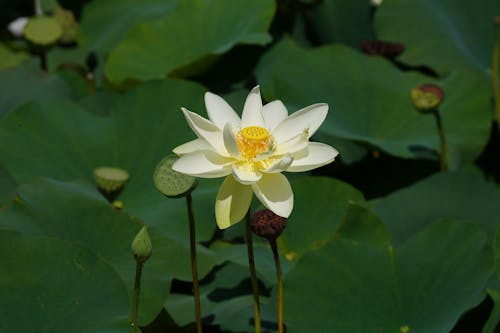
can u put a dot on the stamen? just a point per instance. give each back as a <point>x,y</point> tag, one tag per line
<point>252,141</point>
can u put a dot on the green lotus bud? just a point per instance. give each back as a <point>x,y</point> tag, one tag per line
<point>141,245</point>
<point>427,97</point>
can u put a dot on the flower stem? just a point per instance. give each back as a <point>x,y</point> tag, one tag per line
<point>137,291</point>
<point>194,265</point>
<point>495,69</point>
<point>493,320</point>
<point>442,141</point>
<point>279,278</point>
<point>253,274</point>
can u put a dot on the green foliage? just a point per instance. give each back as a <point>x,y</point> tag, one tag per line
<point>446,34</point>
<point>192,31</point>
<point>392,288</point>
<point>370,100</point>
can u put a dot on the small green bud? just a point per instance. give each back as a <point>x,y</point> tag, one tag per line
<point>427,97</point>
<point>141,246</point>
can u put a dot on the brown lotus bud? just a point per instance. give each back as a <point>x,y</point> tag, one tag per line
<point>268,225</point>
<point>384,49</point>
<point>427,97</point>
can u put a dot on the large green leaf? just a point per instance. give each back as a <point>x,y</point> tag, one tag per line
<point>62,141</point>
<point>460,195</point>
<point>421,286</point>
<point>370,100</point>
<point>9,58</point>
<point>443,34</point>
<point>51,285</point>
<point>194,30</point>
<point>226,299</point>
<point>104,24</point>
<point>342,21</point>
<point>99,33</point>
<point>7,187</point>
<point>26,83</point>
<point>320,204</point>
<point>78,213</point>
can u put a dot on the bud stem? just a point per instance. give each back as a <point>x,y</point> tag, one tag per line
<point>137,291</point>
<point>442,141</point>
<point>495,68</point>
<point>194,265</point>
<point>279,277</point>
<point>253,274</point>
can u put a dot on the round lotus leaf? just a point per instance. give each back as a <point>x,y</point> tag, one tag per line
<point>43,30</point>
<point>172,183</point>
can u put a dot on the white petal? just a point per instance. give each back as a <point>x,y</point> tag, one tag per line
<point>246,173</point>
<point>279,164</point>
<point>206,130</point>
<point>16,27</point>
<point>274,113</point>
<point>274,192</point>
<point>191,147</point>
<point>220,112</point>
<point>205,164</point>
<point>318,154</point>
<point>309,118</point>
<point>293,145</point>
<point>230,141</point>
<point>252,111</point>
<point>232,203</point>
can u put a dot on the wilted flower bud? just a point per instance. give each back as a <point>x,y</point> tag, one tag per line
<point>427,97</point>
<point>383,49</point>
<point>141,245</point>
<point>268,225</point>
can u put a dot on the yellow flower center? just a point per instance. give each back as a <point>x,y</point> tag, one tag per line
<point>253,141</point>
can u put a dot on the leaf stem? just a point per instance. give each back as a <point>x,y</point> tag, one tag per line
<point>442,141</point>
<point>253,273</point>
<point>137,291</point>
<point>194,264</point>
<point>279,278</point>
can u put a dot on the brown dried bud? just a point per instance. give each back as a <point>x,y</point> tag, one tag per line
<point>384,49</point>
<point>268,225</point>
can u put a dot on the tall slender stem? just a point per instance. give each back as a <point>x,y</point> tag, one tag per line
<point>253,273</point>
<point>495,69</point>
<point>135,301</point>
<point>194,264</point>
<point>442,141</point>
<point>279,278</point>
<point>493,320</point>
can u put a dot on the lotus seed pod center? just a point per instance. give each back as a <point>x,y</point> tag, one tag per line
<point>253,140</point>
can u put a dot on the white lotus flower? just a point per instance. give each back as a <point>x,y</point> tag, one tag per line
<point>16,27</point>
<point>252,152</point>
